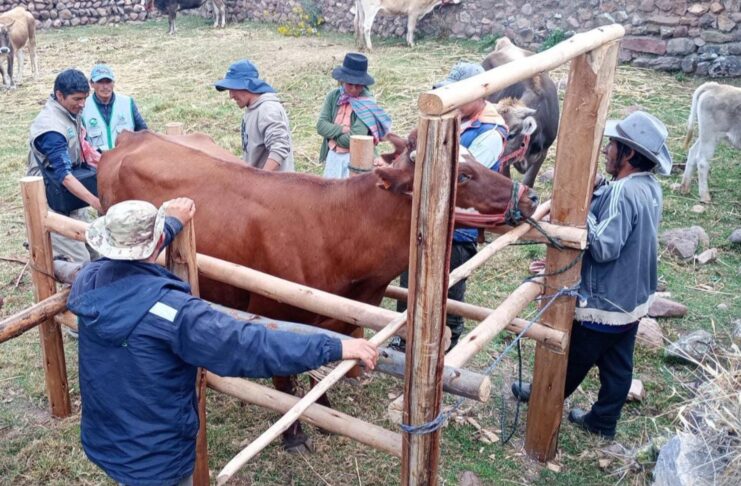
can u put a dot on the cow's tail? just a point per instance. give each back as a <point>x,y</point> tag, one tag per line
<point>693,111</point>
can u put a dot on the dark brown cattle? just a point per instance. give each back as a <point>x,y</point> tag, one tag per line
<point>171,7</point>
<point>538,93</point>
<point>349,237</point>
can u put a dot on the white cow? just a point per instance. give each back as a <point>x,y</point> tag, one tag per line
<point>366,10</point>
<point>717,108</point>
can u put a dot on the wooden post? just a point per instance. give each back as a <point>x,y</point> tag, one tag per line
<point>432,224</point>
<point>584,113</point>
<point>181,260</point>
<point>362,154</point>
<point>42,273</point>
<point>174,128</point>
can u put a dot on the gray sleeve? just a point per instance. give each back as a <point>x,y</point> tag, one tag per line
<point>609,229</point>
<point>273,124</point>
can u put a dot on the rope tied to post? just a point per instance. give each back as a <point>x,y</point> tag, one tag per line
<point>443,416</point>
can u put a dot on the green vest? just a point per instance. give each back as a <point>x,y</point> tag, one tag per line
<point>53,117</point>
<point>101,135</point>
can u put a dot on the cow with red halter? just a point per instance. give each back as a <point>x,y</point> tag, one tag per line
<point>288,225</point>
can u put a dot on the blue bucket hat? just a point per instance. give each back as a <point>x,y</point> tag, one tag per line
<point>461,71</point>
<point>354,70</point>
<point>644,133</point>
<point>101,71</point>
<point>243,75</point>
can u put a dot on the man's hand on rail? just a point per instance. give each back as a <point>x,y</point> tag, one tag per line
<point>182,208</point>
<point>360,349</point>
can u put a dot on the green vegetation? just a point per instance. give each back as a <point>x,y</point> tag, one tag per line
<point>555,36</point>
<point>171,78</point>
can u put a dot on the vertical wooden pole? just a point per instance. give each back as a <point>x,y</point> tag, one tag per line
<point>42,274</point>
<point>432,226</point>
<point>181,260</point>
<point>174,128</point>
<point>362,154</point>
<point>579,141</point>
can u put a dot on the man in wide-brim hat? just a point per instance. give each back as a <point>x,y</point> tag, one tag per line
<point>142,338</point>
<point>266,134</point>
<point>619,269</point>
<point>349,110</point>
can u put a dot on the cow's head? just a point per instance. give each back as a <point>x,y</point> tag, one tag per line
<point>479,189</point>
<point>521,124</point>
<point>5,45</point>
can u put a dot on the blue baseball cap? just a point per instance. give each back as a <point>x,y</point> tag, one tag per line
<point>461,71</point>
<point>101,71</point>
<point>243,75</point>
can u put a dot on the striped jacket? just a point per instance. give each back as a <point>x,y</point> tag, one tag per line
<point>619,270</point>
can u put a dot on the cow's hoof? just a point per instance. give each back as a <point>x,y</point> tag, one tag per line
<point>300,444</point>
<point>705,199</point>
<point>684,189</point>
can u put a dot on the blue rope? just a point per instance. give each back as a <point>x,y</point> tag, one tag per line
<point>443,417</point>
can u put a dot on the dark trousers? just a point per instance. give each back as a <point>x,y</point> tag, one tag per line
<point>613,355</point>
<point>460,253</point>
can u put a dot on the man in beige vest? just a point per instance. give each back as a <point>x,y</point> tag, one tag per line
<point>55,148</point>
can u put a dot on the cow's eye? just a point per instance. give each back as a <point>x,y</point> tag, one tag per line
<point>511,136</point>
<point>413,156</point>
<point>462,178</point>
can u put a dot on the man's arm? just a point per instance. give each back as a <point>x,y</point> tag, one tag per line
<point>139,123</point>
<point>276,135</point>
<point>213,340</point>
<point>609,229</point>
<point>54,146</point>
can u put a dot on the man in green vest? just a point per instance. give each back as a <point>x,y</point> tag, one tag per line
<point>106,113</point>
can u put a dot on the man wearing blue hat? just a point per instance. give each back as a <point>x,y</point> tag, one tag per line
<point>619,269</point>
<point>106,114</point>
<point>266,136</point>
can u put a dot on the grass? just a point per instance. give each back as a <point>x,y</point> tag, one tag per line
<point>170,78</point>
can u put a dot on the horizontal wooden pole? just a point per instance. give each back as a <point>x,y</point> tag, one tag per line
<point>17,324</point>
<point>317,415</point>
<point>456,381</point>
<point>452,96</point>
<point>568,236</point>
<point>552,338</point>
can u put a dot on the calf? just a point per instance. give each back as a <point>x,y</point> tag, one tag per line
<point>538,93</point>
<point>717,108</point>
<point>366,10</point>
<point>17,28</point>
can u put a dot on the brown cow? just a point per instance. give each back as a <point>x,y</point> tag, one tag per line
<point>349,237</point>
<point>17,28</point>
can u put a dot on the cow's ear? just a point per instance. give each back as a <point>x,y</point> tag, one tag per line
<point>529,125</point>
<point>7,22</point>
<point>394,180</point>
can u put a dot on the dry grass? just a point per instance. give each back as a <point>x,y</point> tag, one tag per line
<point>170,79</point>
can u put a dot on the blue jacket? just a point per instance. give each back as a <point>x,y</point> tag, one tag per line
<point>619,269</point>
<point>142,336</point>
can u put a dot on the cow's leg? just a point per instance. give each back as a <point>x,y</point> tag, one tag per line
<point>358,24</point>
<point>19,69</point>
<point>370,16</point>
<point>705,152</point>
<point>411,25</point>
<point>32,52</point>
<point>11,61</point>
<point>294,439</point>
<point>689,167</point>
<point>171,13</point>
<point>4,71</point>
<point>534,167</point>
<point>222,11</point>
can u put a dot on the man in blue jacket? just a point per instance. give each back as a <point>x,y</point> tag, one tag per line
<point>619,269</point>
<point>142,337</point>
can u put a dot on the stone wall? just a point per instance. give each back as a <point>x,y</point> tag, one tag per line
<point>702,37</point>
<point>64,13</point>
<point>693,36</point>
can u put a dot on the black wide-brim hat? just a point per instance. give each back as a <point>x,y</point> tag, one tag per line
<point>354,70</point>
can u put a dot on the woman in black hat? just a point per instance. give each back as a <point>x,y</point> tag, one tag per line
<point>349,110</point>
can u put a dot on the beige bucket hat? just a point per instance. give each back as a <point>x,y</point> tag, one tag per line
<point>130,230</point>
